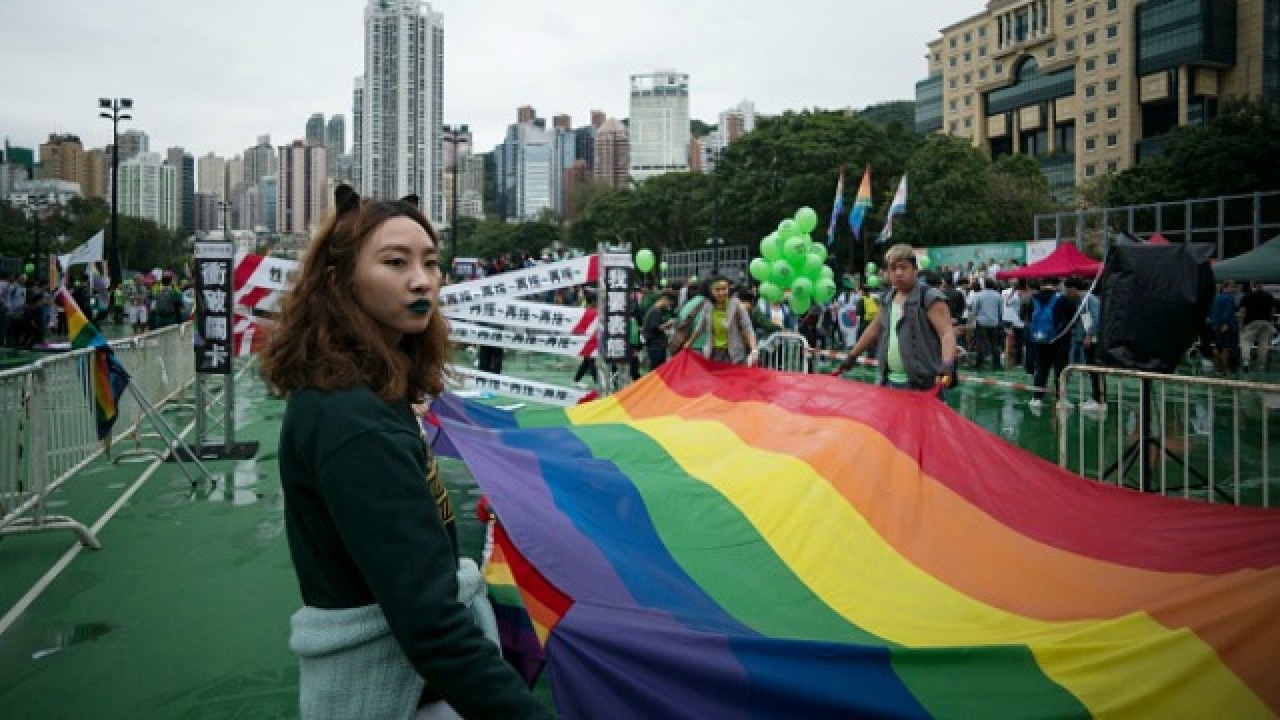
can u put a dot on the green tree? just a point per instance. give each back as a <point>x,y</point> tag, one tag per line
<point>947,204</point>
<point>1018,191</point>
<point>1232,154</point>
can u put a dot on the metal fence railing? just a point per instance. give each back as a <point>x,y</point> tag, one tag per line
<point>1192,437</point>
<point>785,351</point>
<point>48,425</point>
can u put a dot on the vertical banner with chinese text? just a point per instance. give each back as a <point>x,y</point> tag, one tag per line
<point>615,272</point>
<point>213,307</point>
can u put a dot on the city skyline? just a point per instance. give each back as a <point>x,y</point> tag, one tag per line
<point>214,78</point>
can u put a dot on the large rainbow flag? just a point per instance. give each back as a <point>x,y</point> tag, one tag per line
<point>108,378</point>
<point>728,542</point>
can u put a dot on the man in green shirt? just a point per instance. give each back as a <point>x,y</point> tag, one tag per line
<point>913,336</point>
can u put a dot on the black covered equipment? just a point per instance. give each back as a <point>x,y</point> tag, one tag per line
<point>1155,299</point>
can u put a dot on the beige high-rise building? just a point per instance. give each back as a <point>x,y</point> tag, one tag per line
<point>1090,87</point>
<point>62,158</point>
<point>96,167</point>
<point>613,154</point>
<point>211,175</point>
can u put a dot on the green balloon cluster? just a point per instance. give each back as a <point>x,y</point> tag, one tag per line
<point>790,260</point>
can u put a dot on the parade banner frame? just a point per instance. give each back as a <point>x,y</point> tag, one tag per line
<point>215,265</point>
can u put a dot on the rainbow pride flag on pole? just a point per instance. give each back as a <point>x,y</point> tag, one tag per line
<point>861,204</point>
<point>837,208</point>
<point>109,378</point>
<point>729,542</point>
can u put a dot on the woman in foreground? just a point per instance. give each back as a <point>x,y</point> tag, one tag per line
<point>382,632</point>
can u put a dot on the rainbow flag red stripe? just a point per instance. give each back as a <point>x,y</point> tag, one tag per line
<point>738,543</point>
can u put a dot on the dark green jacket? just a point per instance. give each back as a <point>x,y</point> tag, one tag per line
<point>363,529</point>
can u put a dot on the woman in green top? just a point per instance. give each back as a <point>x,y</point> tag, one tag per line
<point>720,325</point>
<point>382,631</point>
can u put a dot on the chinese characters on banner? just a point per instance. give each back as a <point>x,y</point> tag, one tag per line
<point>213,307</point>
<point>616,269</point>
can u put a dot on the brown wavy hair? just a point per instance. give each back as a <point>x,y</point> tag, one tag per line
<point>326,341</point>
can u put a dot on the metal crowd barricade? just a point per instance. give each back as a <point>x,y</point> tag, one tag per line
<point>161,366</point>
<point>1175,435</point>
<point>785,351</point>
<point>47,432</point>
<point>48,422</point>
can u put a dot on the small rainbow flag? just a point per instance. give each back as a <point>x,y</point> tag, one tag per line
<point>109,377</point>
<point>861,204</point>
<point>730,542</point>
<point>837,207</point>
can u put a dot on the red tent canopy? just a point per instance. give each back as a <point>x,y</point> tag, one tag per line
<point>1065,261</point>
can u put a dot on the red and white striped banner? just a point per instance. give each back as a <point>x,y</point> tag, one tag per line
<point>529,315</point>
<point>251,334</point>
<point>520,283</point>
<point>523,389</point>
<point>558,344</point>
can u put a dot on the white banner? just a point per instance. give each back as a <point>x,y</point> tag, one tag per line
<point>1038,250</point>
<point>528,315</point>
<point>89,252</point>
<point>529,281</point>
<point>569,345</point>
<point>517,388</point>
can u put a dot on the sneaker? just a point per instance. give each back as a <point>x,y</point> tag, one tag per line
<point>581,385</point>
<point>1092,407</point>
<point>1036,403</point>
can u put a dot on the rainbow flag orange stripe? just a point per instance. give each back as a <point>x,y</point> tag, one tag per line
<point>735,542</point>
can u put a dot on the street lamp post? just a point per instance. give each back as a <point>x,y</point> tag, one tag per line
<point>115,110</point>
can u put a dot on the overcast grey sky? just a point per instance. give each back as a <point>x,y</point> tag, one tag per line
<point>213,75</point>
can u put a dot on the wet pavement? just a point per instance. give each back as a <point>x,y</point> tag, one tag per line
<point>184,612</point>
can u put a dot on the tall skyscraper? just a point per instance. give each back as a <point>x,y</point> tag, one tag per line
<point>149,189</point>
<point>659,129</point>
<point>259,160</point>
<point>184,166</point>
<point>525,114</point>
<point>335,144</point>
<point>357,134</point>
<point>562,122</point>
<point>211,175</point>
<point>302,197</point>
<point>401,97</point>
<point>315,129</point>
<point>613,154</point>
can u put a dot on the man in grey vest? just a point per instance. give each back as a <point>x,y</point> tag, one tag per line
<point>913,336</point>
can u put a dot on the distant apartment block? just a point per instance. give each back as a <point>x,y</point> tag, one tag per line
<point>1089,87</point>
<point>149,189</point>
<point>301,189</point>
<point>400,104</point>
<point>659,124</point>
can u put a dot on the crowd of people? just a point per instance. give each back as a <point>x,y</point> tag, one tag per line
<point>29,314</point>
